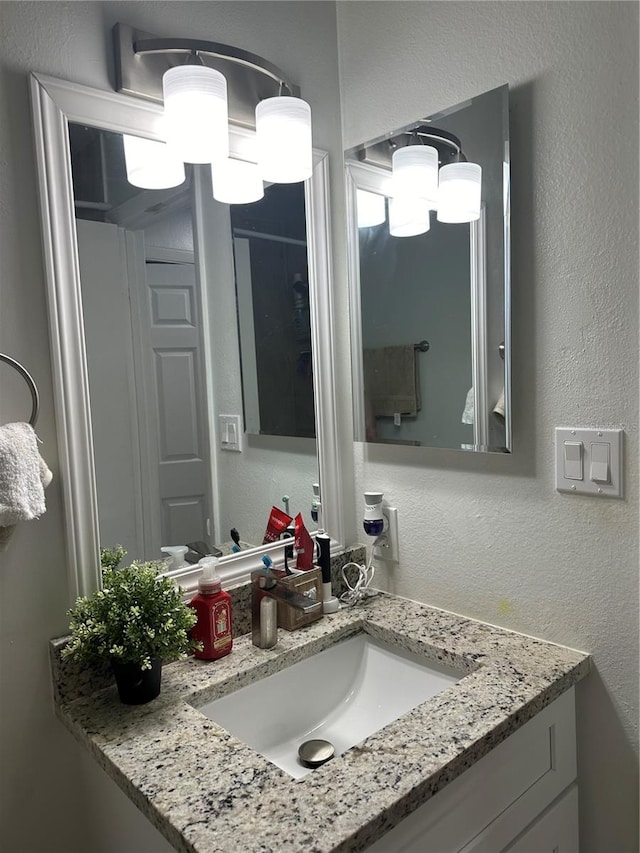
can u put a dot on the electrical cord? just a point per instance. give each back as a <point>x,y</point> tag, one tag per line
<point>366,573</point>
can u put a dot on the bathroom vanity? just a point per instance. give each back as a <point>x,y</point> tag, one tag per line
<point>488,764</point>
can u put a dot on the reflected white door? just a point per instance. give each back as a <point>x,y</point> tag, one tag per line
<point>174,395</point>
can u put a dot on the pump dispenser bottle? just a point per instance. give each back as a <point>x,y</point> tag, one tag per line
<point>213,609</point>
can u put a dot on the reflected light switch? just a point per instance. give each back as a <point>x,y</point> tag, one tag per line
<point>600,463</point>
<point>573,460</point>
<point>230,432</point>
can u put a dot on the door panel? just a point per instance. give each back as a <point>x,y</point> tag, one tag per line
<point>178,401</point>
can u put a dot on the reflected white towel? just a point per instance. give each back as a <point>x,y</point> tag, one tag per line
<point>469,411</point>
<point>24,475</point>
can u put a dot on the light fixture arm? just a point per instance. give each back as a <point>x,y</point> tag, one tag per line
<point>178,46</point>
<point>379,152</point>
<point>439,140</point>
<point>141,59</point>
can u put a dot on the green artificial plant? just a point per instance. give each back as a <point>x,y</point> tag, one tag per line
<point>110,558</point>
<point>135,617</point>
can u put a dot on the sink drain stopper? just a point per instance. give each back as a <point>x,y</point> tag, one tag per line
<point>314,753</point>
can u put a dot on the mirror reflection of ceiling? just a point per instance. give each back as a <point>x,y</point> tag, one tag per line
<point>145,331</point>
<point>448,287</point>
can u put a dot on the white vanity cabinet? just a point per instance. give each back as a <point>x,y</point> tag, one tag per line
<point>497,748</point>
<point>521,797</point>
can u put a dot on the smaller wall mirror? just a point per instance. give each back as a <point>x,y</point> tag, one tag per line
<point>430,313</point>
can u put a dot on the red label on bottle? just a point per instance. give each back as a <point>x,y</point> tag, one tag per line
<point>221,625</point>
<point>213,628</point>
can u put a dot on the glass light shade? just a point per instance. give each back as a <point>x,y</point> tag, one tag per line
<point>371,208</point>
<point>236,182</point>
<point>151,165</point>
<point>196,113</point>
<point>460,192</point>
<point>415,173</point>
<point>408,216</point>
<point>283,132</point>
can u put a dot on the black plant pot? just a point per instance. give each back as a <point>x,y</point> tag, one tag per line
<point>135,685</point>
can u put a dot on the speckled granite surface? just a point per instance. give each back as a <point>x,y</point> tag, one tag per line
<point>71,680</point>
<point>207,792</point>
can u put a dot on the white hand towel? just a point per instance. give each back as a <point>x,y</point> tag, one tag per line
<point>24,476</point>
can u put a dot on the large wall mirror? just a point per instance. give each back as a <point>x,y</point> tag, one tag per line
<point>431,353</point>
<point>164,306</point>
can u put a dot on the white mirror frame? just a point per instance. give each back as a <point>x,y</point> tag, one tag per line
<point>56,103</point>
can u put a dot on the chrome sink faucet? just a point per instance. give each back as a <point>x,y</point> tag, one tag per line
<point>266,592</point>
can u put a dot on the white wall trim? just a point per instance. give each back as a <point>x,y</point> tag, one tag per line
<point>70,378</point>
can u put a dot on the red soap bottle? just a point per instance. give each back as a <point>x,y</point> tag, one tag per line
<point>213,609</point>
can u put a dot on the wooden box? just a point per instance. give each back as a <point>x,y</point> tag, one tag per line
<point>290,617</point>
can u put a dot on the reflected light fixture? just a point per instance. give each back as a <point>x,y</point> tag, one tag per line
<point>371,209</point>
<point>460,192</point>
<point>216,85</point>
<point>151,165</point>
<point>408,216</point>
<point>236,182</point>
<point>427,166</point>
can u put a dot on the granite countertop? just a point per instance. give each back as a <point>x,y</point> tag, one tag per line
<point>206,791</point>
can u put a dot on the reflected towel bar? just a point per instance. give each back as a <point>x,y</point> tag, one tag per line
<point>423,346</point>
<point>35,398</point>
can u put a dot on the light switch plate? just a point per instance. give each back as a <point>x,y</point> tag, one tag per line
<point>230,427</point>
<point>587,485</point>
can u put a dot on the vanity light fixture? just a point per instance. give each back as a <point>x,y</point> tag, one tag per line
<point>151,165</point>
<point>283,134</point>
<point>195,112</point>
<point>218,84</point>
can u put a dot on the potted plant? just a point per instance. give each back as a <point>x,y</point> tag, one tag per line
<point>136,621</point>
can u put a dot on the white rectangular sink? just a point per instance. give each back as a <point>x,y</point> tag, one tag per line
<point>343,695</point>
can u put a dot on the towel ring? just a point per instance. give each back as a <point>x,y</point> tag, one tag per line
<point>35,398</point>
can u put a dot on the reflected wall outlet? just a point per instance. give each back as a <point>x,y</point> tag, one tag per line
<point>389,548</point>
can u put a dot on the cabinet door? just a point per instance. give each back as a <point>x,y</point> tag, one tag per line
<point>499,796</point>
<point>555,831</point>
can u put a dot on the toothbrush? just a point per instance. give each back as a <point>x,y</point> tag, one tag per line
<point>236,538</point>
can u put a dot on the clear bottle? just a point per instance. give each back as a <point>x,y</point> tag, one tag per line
<point>213,609</point>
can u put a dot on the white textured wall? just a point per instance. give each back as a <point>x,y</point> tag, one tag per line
<point>489,536</point>
<point>53,797</point>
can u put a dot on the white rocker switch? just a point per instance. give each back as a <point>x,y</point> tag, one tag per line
<point>230,432</point>
<point>573,460</point>
<point>589,461</point>
<point>600,463</point>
